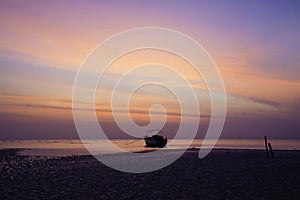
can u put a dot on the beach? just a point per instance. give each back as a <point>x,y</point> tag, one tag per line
<point>223,174</point>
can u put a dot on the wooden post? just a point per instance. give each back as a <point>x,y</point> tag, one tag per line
<point>266,144</point>
<point>270,147</point>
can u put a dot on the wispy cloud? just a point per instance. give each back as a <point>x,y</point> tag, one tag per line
<point>261,101</point>
<point>265,102</point>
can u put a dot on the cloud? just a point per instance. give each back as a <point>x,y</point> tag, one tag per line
<point>265,102</point>
<point>29,105</point>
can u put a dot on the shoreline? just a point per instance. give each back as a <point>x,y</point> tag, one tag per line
<point>223,174</point>
<point>53,153</point>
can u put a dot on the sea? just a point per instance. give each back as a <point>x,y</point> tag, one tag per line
<point>78,147</point>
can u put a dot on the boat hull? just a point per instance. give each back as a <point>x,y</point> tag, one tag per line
<point>156,141</point>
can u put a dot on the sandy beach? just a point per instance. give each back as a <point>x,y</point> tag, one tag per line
<point>223,174</point>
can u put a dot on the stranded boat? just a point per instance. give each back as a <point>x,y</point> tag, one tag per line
<point>155,140</point>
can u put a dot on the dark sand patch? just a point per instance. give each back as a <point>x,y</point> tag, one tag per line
<point>223,174</point>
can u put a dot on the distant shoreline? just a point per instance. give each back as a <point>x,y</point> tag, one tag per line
<point>63,148</point>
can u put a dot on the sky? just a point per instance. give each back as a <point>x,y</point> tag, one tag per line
<point>255,45</point>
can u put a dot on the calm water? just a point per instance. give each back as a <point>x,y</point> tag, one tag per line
<point>77,147</point>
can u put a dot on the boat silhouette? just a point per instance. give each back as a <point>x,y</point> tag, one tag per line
<point>155,138</point>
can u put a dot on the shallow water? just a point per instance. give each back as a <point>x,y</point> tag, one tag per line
<point>78,147</point>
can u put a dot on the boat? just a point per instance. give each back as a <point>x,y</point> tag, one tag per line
<point>155,140</point>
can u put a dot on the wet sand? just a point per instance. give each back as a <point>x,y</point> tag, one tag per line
<point>223,174</point>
